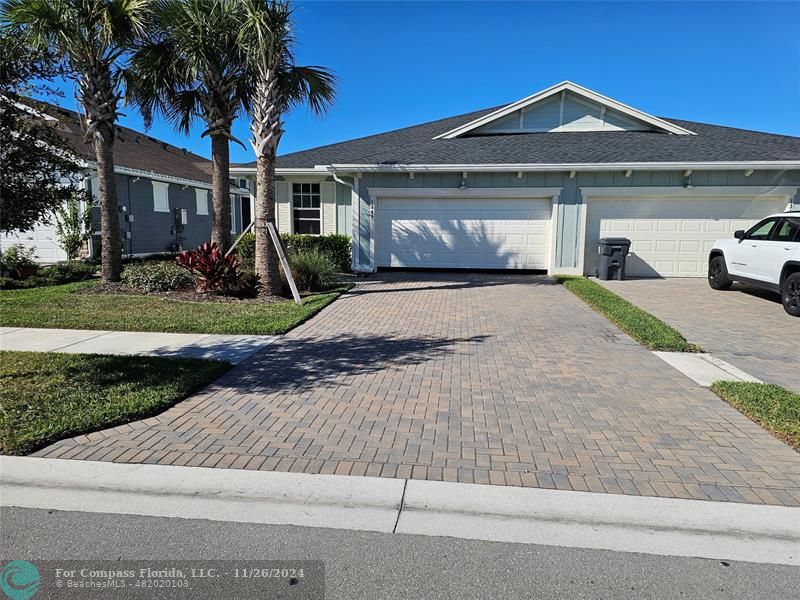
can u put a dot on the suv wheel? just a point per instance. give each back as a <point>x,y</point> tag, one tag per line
<point>718,274</point>
<point>791,294</point>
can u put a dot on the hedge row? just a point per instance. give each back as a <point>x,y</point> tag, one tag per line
<point>334,246</point>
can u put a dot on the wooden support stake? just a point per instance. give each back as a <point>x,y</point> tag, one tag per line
<point>276,241</point>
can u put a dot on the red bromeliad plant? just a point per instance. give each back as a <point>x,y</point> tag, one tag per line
<point>214,271</point>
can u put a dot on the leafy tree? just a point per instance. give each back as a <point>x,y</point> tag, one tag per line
<point>92,37</point>
<point>280,84</point>
<point>189,66</point>
<point>73,226</point>
<point>37,168</point>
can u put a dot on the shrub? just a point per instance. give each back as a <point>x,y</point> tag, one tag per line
<point>18,260</point>
<point>248,286</point>
<point>155,257</point>
<point>213,271</point>
<point>334,246</point>
<point>156,277</point>
<point>67,272</point>
<point>57,274</point>
<point>73,228</point>
<point>246,250</point>
<point>9,283</point>
<point>312,270</point>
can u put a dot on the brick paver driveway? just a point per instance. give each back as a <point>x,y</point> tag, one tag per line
<point>462,377</point>
<point>745,327</point>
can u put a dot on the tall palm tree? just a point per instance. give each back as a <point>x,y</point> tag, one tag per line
<point>189,66</point>
<point>279,85</point>
<point>92,36</point>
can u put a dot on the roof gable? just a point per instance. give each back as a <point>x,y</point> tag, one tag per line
<point>564,107</point>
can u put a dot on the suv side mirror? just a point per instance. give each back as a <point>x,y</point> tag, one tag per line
<point>739,234</point>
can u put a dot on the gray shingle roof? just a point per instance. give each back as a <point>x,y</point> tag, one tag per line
<point>134,149</point>
<point>415,145</point>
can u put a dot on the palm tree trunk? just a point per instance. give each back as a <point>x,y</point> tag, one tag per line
<point>220,191</point>
<point>111,251</point>
<point>266,257</point>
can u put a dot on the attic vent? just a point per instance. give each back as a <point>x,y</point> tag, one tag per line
<point>137,139</point>
<point>185,151</point>
<point>164,145</point>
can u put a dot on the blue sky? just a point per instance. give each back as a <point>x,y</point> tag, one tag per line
<point>403,63</point>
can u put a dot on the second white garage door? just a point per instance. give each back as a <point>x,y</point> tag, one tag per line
<point>670,237</point>
<point>463,233</point>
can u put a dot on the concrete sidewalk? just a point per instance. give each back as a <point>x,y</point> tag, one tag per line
<point>664,526</point>
<point>232,348</point>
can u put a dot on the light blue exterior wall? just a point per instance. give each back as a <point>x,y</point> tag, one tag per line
<point>569,203</point>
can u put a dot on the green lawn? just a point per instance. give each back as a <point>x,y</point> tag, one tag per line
<point>637,323</point>
<point>45,397</point>
<point>61,307</point>
<point>770,406</point>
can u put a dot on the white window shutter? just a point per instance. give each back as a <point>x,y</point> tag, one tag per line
<point>328,201</point>
<point>160,196</point>
<point>201,198</point>
<point>283,207</point>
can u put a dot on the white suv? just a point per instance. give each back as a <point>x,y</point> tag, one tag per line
<point>767,256</point>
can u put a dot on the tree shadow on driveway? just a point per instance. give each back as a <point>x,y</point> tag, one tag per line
<point>301,365</point>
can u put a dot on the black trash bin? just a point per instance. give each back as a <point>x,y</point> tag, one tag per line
<point>612,257</point>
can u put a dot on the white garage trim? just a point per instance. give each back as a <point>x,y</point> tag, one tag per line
<point>786,193</point>
<point>541,193</point>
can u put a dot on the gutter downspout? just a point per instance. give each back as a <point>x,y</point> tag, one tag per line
<point>356,243</point>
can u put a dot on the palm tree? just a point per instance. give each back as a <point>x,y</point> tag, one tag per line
<point>188,65</point>
<point>279,85</point>
<point>92,37</point>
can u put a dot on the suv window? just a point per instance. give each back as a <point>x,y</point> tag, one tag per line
<point>761,231</point>
<point>788,230</point>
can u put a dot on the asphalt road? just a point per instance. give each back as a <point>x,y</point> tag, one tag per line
<point>375,565</point>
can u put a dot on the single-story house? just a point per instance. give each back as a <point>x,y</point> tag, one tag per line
<point>164,195</point>
<point>534,184</point>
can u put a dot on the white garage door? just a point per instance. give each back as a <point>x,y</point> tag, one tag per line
<point>463,233</point>
<point>42,238</point>
<point>670,238</point>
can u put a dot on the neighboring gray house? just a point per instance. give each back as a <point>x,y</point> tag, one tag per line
<point>163,194</point>
<point>535,183</point>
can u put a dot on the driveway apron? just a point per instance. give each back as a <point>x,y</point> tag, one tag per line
<point>479,378</point>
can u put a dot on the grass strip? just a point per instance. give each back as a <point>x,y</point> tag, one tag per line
<point>771,406</point>
<point>64,307</point>
<point>45,397</point>
<point>637,323</point>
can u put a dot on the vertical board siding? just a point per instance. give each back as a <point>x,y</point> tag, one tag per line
<point>344,209</point>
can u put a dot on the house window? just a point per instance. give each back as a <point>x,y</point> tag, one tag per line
<point>201,198</point>
<point>160,196</point>
<point>306,208</point>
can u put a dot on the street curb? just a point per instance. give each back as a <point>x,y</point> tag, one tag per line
<point>365,503</point>
<point>665,526</point>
